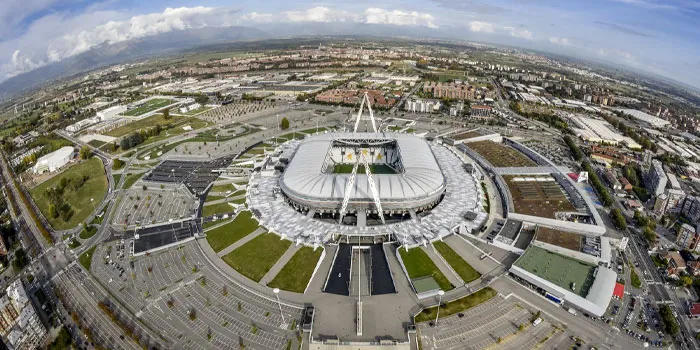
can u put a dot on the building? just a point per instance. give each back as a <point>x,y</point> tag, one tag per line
<point>611,179</point>
<point>688,238</point>
<point>22,140</point>
<point>675,200</point>
<point>645,117</point>
<point>422,106</point>
<point>694,310</point>
<point>457,91</point>
<point>656,178</point>
<point>691,208</point>
<point>676,264</point>
<point>111,112</point>
<point>480,111</point>
<point>563,279</point>
<point>626,185</point>
<point>20,326</point>
<point>54,160</point>
<point>190,107</point>
<point>660,204</point>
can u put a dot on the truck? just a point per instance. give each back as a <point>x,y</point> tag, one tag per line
<point>572,311</point>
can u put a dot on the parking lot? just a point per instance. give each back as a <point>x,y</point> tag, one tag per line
<point>179,293</point>
<point>154,205</point>
<point>496,322</point>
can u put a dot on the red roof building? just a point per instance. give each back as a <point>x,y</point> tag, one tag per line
<point>694,310</point>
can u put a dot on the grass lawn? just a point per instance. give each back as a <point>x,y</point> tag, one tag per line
<point>96,143</point>
<point>463,269</point>
<point>313,130</point>
<point>459,305</point>
<point>373,168</point>
<point>144,123</point>
<point>295,275</point>
<point>116,178</point>
<point>225,235</point>
<point>149,106</point>
<point>198,110</point>
<point>74,243</point>
<point>131,179</point>
<point>255,258</point>
<point>634,278</point>
<point>222,188</point>
<point>85,259</point>
<point>95,187</point>
<point>85,234</point>
<point>418,264</point>
<point>214,209</point>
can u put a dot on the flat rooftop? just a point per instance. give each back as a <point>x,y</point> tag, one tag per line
<point>559,238</point>
<point>537,195</point>
<point>560,270</point>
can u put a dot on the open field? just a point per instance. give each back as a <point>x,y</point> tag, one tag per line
<point>537,198</point>
<point>149,106</point>
<point>148,122</point>
<point>83,181</point>
<point>131,179</point>
<point>255,258</point>
<point>85,259</point>
<point>225,235</point>
<point>418,264</point>
<point>459,305</point>
<point>501,156</point>
<point>463,269</point>
<point>295,275</point>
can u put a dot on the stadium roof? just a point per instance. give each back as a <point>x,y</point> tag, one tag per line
<point>422,176</point>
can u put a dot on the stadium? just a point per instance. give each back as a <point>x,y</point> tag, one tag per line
<point>380,186</point>
<point>398,170</point>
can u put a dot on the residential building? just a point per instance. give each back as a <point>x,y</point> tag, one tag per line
<point>691,208</point>
<point>688,238</point>
<point>422,106</point>
<point>20,326</point>
<point>481,111</point>
<point>626,185</point>
<point>675,262</point>
<point>656,178</point>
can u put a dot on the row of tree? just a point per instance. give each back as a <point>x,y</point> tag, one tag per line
<point>597,184</point>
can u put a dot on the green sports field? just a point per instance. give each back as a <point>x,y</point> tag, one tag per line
<point>373,168</point>
<point>149,106</point>
<point>558,269</point>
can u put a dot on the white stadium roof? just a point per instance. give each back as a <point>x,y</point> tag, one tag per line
<point>422,176</point>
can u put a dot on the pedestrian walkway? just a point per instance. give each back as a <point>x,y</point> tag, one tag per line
<point>241,241</point>
<point>275,269</point>
<point>446,270</point>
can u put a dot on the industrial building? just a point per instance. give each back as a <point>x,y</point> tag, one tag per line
<point>111,112</point>
<point>655,122</point>
<point>54,160</point>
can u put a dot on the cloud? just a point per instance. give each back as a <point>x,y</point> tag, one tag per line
<point>399,18</point>
<point>521,33</point>
<point>13,12</point>
<point>622,29</point>
<point>57,36</point>
<point>481,27</point>
<point>648,4</point>
<point>559,41</point>
<point>371,15</point>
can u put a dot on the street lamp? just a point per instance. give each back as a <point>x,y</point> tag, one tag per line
<point>92,201</point>
<point>440,294</point>
<point>277,292</point>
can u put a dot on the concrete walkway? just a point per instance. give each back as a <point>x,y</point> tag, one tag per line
<point>275,269</point>
<point>241,241</point>
<point>446,270</point>
<point>319,280</point>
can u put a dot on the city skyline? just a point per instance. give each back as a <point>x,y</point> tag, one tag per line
<point>649,36</point>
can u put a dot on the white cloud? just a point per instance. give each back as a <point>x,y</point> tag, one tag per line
<point>57,36</point>
<point>371,15</point>
<point>399,18</point>
<point>481,27</point>
<point>13,12</point>
<point>521,33</point>
<point>559,41</point>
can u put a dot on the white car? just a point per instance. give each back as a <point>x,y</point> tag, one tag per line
<point>537,321</point>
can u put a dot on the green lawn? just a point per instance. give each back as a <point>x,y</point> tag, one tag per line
<point>85,234</point>
<point>74,243</point>
<point>222,188</point>
<point>144,123</point>
<point>198,110</point>
<point>225,235</point>
<point>255,258</point>
<point>131,179</point>
<point>313,130</point>
<point>418,264</point>
<point>459,305</point>
<point>463,269</point>
<point>116,178</point>
<point>373,168</point>
<point>634,278</point>
<point>95,187</point>
<point>85,259</point>
<point>214,209</point>
<point>149,106</point>
<point>295,275</point>
<point>96,143</point>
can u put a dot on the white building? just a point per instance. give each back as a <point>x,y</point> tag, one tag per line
<point>188,108</point>
<point>422,106</point>
<point>54,160</point>
<point>20,327</point>
<point>656,178</point>
<point>655,122</point>
<point>111,112</point>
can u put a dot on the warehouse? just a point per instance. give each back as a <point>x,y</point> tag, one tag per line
<point>54,160</point>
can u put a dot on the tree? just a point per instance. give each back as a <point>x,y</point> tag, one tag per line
<point>53,213</point>
<point>166,113</point>
<point>685,281</point>
<point>284,124</point>
<point>85,152</point>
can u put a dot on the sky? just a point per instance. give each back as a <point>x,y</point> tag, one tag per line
<point>656,36</point>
